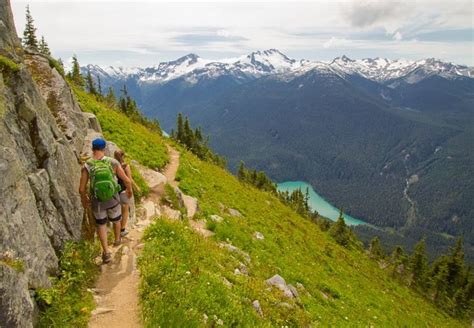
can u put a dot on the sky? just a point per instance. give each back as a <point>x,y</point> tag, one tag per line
<point>144,33</point>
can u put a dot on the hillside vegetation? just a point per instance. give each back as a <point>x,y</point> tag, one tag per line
<point>191,280</point>
<point>188,280</point>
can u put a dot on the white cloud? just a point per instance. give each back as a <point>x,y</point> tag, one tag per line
<point>398,36</point>
<point>147,32</point>
<point>334,42</point>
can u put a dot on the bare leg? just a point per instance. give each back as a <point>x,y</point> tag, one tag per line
<point>125,212</point>
<point>117,227</point>
<point>102,232</point>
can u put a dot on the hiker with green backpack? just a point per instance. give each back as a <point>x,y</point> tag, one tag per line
<point>103,196</point>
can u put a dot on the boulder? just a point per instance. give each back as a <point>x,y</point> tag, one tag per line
<point>191,204</point>
<point>152,177</point>
<point>234,212</point>
<point>259,235</point>
<point>171,213</point>
<point>293,290</point>
<point>276,280</point>
<point>288,290</point>
<point>92,122</point>
<point>200,228</point>
<point>216,218</point>
<point>150,209</point>
<point>258,308</point>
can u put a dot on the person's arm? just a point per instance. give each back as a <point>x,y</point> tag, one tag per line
<point>128,172</point>
<point>128,183</point>
<point>83,187</point>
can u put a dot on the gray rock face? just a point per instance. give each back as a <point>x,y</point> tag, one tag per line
<point>42,130</point>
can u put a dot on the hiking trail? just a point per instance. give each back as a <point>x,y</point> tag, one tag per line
<point>116,289</point>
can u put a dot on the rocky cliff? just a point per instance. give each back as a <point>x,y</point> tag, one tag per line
<point>42,133</point>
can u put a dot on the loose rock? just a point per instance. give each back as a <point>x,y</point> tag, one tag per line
<point>99,311</point>
<point>259,235</point>
<point>234,212</point>
<point>258,308</point>
<point>216,218</point>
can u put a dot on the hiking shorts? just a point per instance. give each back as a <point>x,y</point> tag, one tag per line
<point>124,200</point>
<point>110,210</point>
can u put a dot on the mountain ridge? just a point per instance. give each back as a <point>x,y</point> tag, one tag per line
<point>274,62</point>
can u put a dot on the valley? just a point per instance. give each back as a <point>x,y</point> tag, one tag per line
<point>342,126</point>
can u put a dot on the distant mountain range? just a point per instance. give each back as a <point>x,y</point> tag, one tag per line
<point>272,62</point>
<point>392,141</point>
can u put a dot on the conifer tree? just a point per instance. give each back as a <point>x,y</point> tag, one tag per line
<point>339,230</point>
<point>110,98</point>
<point>76,75</point>
<point>306,200</point>
<point>43,47</point>
<point>375,249</point>
<point>398,260</point>
<point>123,99</point>
<point>439,274</point>
<point>180,128</point>
<point>99,86</point>
<point>29,34</point>
<point>188,134</point>
<point>241,172</point>
<point>456,273</point>
<point>90,83</point>
<point>419,265</point>
<point>460,302</point>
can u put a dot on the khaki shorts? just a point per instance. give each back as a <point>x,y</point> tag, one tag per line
<point>110,210</point>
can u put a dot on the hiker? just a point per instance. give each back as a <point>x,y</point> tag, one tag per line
<point>104,193</point>
<point>124,199</point>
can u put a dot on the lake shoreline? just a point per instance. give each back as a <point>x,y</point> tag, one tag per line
<point>318,203</point>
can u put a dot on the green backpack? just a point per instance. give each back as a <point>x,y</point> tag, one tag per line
<point>103,183</point>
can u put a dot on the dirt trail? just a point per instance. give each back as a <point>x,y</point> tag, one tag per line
<point>116,290</point>
<point>172,167</point>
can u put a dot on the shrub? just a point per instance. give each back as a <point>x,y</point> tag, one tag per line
<point>6,64</point>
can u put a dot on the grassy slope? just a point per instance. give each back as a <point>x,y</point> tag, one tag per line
<point>183,274</point>
<point>136,140</point>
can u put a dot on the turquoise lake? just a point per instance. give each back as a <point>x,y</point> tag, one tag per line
<point>318,203</point>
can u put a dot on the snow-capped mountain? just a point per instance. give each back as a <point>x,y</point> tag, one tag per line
<point>383,70</point>
<point>193,68</point>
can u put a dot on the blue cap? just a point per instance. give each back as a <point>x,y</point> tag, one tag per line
<point>98,144</point>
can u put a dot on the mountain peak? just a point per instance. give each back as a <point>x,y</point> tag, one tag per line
<point>190,58</point>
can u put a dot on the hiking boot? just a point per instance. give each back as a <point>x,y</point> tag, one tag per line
<point>106,257</point>
<point>117,242</point>
<point>123,233</point>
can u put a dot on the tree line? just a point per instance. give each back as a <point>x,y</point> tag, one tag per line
<point>195,141</point>
<point>447,281</point>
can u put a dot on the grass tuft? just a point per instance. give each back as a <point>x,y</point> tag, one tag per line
<point>6,64</point>
<point>68,303</point>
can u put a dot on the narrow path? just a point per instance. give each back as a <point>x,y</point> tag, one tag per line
<point>116,290</point>
<point>172,167</point>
